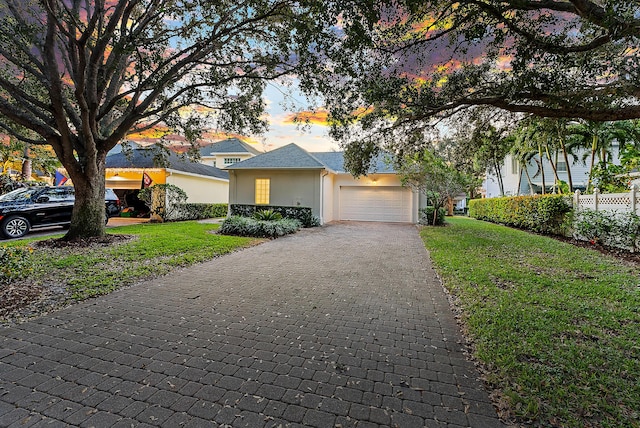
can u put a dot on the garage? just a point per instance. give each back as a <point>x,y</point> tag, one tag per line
<point>388,203</point>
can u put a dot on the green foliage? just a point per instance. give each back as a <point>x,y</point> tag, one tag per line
<point>554,325</point>
<point>303,214</point>
<point>199,211</point>
<point>621,230</point>
<point>154,249</point>
<point>249,226</point>
<point>430,174</point>
<point>426,216</point>
<point>165,200</point>
<point>143,63</point>
<point>610,178</point>
<point>14,263</point>
<point>525,67</point>
<point>267,215</point>
<point>538,213</point>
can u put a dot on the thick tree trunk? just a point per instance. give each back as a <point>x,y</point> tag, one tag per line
<point>26,164</point>
<point>88,218</point>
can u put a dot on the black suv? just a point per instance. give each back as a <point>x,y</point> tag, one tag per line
<point>33,207</point>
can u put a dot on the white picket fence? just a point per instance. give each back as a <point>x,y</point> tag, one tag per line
<point>616,202</point>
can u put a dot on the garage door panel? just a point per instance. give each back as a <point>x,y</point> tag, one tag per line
<point>392,204</point>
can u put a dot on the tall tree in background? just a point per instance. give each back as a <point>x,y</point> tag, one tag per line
<point>428,59</point>
<point>79,75</point>
<point>429,174</point>
<point>597,139</point>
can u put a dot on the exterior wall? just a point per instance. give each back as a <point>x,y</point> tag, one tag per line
<point>510,172</point>
<point>377,180</point>
<point>218,159</point>
<point>131,178</point>
<point>287,187</point>
<point>328,197</point>
<point>201,189</point>
<point>579,174</point>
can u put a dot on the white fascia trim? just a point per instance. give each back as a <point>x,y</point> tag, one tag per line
<point>191,174</point>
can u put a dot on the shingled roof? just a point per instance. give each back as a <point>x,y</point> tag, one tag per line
<point>295,157</point>
<point>290,156</point>
<point>144,158</point>
<point>229,146</point>
<point>335,162</point>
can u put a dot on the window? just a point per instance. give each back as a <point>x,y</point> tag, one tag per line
<point>230,161</point>
<point>59,194</point>
<point>561,166</point>
<point>515,166</point>
<point>262,191</point>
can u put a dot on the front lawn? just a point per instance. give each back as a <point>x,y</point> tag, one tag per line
<point>556,327</point>
<point>152,250</point>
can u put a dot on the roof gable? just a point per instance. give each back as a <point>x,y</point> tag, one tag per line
<point>230,145</point>
<point>290,156</point>
<point>145,158</point>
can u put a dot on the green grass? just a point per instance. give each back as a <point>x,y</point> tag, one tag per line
<point>155,249</point>
<point>557,327</point>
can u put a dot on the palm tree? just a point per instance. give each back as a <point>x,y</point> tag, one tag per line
<point>598,138</point>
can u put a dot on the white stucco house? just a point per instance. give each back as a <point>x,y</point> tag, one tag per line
<point>223,153</point>
<point>515,179</point>
<point>125,173</point>
<point>291,176</point>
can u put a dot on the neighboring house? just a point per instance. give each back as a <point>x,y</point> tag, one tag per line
<point>128,173</point>
<point>515,179</point>
<point>227,152</point>
<point>291,176</point>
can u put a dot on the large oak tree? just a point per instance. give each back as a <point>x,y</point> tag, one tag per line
<point>80,75</point>
<point>429,59</point>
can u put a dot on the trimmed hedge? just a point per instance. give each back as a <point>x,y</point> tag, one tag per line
<point>248,226</point>
<point>199,211</point>
<point>538,213</point>
<point>303,214</point>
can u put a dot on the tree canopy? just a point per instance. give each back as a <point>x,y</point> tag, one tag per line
<point>431,59</point>
<point>80,75</point>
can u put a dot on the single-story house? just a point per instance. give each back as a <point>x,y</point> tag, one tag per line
<point>291,176</point>
<point>223,153</point>
<point>141,168</point>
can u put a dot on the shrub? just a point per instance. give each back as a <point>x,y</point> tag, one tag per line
<point>164,199</point>
<point>303,214</point>
<point>620,230</point>
<point>426,216</point>
<point>198,211</point>
<point>14,263</point>
<point>267,215</point>
<point>538,213</point>
<point>248,226</point>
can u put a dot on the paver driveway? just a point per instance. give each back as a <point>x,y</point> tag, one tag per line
<point>339,326</point>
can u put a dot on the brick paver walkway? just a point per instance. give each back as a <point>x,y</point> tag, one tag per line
<point>340,326</point>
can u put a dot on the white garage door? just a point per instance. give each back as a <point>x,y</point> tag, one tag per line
<point>391,204</point>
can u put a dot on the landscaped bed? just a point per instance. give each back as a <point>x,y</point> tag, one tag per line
<point>61,273</point>
<point>554,326</point>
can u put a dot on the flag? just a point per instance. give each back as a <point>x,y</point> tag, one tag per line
<point>146,180</point>
<point>60,179</point>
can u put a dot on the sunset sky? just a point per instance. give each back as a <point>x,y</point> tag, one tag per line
<point>283,128</point>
